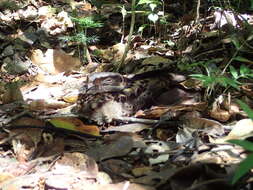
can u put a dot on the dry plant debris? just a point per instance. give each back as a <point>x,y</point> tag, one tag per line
<point>70,123</point>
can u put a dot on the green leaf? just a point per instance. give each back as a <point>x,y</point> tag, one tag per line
<point>243,168</point>
<point>250,75</point>
<point>236,42</point>
<point>222,81</point>
<point>198,76</point>
<point>242,59</point>
<point>233,72</point>
<point>87,22</point>
<point>230,82</point>
<point>207,80</point>
<point>61,123</point>
<point>247,145</point>
<point>244,71</point>
<point>147,2</point>
<point>246,108</point>
<point>251,4</point>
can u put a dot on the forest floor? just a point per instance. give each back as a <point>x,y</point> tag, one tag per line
<point>86,103</point>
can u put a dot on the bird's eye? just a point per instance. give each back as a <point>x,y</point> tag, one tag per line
<point>107,81</point>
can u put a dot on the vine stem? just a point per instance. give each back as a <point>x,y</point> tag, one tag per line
<point>129,35</point>
<point>234,55</point>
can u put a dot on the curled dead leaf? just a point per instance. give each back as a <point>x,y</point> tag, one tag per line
<point>220,115</point>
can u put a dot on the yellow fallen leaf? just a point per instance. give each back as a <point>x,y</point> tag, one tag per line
<point>75,124</point>
<point>70,98</point>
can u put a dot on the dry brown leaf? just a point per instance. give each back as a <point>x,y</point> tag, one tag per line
<point>41,104</point>
<point>54,61</point>
<point>164,134</point>
<point>141,171</point>
<point>220,115</point>
<point>116,167</point>
<point>4,177</point>
<point>77,162</point>
<point>12,93</point>
<point>241,130</point>
<point>204,124</point>
<point>51,147</point>
<point>226,154</point>
<point>160,111</point>
<point>28,121</point>
<point>120,147</point>
<point>25,142</point>
<point>154,112</point>
<point>247,89</point>
<point>192,84</point>
<point>131,128</point>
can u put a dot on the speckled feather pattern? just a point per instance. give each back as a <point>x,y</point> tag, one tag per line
<point>107,96</point>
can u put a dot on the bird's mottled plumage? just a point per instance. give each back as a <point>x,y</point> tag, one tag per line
<point>106,95</point>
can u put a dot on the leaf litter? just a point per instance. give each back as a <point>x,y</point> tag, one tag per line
<point>178,142</point>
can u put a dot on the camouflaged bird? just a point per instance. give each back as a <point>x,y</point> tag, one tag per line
<point>106,96</point>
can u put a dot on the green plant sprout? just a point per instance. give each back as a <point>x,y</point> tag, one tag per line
<point>213,78</point>
<point>82,26</point>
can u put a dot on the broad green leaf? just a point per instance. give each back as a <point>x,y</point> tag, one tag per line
<point>242,59</point>
<point>231,82</point>
<point>243,168</point>
<point>206,80</point>
<point>222,81</point>
<point>246,108</point>
<point>244,70</point>
<point>250,75</point>
<point>233,72</point>
<point>247,145</point>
